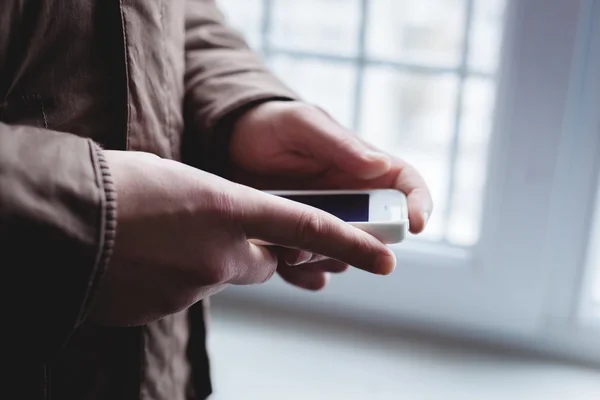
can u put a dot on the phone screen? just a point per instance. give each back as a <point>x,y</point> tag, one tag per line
<point>347,207</point>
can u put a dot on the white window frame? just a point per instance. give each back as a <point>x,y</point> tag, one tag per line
<point>589,304</point>
<point>522,282</point>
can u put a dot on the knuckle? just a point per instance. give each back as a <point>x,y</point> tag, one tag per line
<point>224,205</point>
<point>220,272</point>
<point>301,111</point>
<point>360,249</point>
<point>311,226</point>
<point>218,276</point>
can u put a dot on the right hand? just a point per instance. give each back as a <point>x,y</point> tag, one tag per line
<point>182,235</point>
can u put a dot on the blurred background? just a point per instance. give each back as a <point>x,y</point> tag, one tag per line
<point>497,103</point>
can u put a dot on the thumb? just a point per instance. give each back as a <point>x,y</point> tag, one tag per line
<point>261,264</point>
<point>346,150</point>
<point>350,154</point>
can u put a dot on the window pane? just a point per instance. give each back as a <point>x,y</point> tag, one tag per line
<point>246,17</point>
<point>412,116</point>
<point>325,26</point>
<point>486,35</point>
<point>423,31</point>
<point>467,194</point>
<point>328,84</point>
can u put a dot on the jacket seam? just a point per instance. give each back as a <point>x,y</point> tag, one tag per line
<point>107,222</point>
<point>166,76</point>
<point>43,109</point>
<point>127,73</point>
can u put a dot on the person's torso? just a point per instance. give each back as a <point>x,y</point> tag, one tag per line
<point>112,71</point>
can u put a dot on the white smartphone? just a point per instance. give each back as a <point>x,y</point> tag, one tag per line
<point>382,213</point>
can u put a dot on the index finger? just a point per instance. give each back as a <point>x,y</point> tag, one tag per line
<point>287,223</point>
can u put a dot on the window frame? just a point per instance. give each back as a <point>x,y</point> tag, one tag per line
<point>522,282</point>
<point>359,62</point>
<point>569,305</point>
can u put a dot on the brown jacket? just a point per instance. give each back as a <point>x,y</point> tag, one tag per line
<point>125,74</point>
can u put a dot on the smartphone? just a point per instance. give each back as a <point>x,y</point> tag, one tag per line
<point>382,213</point>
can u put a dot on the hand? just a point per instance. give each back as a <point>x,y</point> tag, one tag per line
<point>182,234</point>
<point>292,145</point>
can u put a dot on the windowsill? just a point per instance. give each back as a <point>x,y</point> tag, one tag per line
<point>267,355</point>
<point>421,248</point>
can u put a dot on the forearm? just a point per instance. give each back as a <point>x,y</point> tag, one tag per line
<point>223,78</point>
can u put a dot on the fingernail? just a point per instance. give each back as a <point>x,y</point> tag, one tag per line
<point>294,263</point>
<point>299,259</point>
<point>375,155</point>
<point>425,218</point>
<point>378,164</point>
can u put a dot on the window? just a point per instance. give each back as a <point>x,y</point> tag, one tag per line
<point>417,78</point>
<point>594,253</point>
<point>497,103</point>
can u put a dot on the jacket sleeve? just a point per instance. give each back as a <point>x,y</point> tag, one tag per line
<point>57,227</point>
<point>223,76</point>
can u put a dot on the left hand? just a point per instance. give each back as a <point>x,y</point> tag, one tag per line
<point>293,145</point>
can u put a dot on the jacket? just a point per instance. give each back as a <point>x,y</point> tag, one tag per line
<point>160,76</point>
